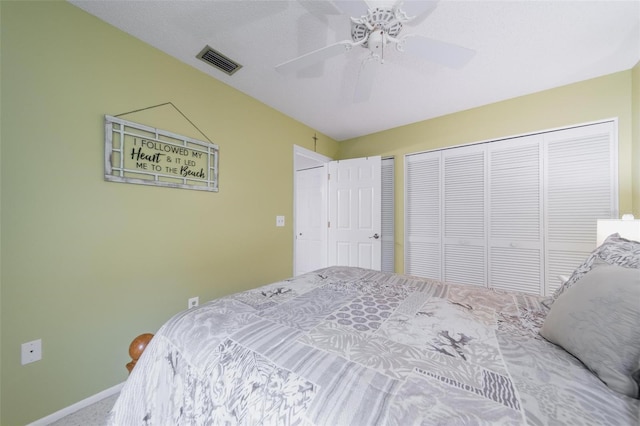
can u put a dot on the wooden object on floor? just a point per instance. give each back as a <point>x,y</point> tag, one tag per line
<point>137,346</point>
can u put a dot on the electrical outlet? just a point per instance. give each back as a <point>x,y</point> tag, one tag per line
<point>279,220</point>
<point>193,302</point>
<point>31,351</point>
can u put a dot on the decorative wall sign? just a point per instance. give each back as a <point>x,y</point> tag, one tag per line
<point>135,153</point>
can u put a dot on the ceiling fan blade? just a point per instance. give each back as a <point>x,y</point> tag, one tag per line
<point>320,8</point>
<point>419,9</point>
<point>317,25</point>
<point>366,78</point>
<point>447,54</point>
<point>302,62</point>
<point>353,8</point>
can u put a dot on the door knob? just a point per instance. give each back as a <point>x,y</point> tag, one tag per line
<point>376,236</point>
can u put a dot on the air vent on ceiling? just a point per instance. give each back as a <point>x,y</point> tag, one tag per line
<point>218,60</point>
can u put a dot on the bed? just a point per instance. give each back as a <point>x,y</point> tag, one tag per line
<point>351,346</point>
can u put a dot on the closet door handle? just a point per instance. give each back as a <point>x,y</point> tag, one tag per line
<point>376,236</point>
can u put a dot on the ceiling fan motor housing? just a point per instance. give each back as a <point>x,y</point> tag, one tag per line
<point>388,21</point>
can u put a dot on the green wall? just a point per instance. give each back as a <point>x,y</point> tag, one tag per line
<point>597,99</point>
<point>86,264</point>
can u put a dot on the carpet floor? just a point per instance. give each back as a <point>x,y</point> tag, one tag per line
<point>93,415</point>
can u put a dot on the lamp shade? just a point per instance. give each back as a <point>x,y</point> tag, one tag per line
<point>627,228</point>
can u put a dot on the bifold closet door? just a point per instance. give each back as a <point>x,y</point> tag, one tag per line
<point>515,215</point>
<point>581,187</point>
<point>512,214</point>
<point>445,215</point>
<point>464,215</point>
<point>388,215</point>
<point>423,235</point>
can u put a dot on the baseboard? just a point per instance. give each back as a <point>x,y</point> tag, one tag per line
<point>78,406</point>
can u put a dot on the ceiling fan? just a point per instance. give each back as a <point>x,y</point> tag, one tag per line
<point>377,29</point>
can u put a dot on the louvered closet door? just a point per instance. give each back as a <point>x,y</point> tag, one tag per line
<point>388,216</point>
<point>464,215</point>
<point>515,215</point>
<point>581,187</point>
<point>423,215</point>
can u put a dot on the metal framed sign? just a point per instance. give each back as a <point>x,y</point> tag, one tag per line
<point>135,153</point>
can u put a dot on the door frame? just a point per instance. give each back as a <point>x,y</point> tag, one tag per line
<point>303,159</point>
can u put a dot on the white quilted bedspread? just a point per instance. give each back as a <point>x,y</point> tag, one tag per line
<point>349,346</point>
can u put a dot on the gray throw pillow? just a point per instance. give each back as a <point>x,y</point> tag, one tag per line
<point>614,250</point>
<point>598,321</point>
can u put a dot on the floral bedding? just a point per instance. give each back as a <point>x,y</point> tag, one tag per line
<point>351,346</point>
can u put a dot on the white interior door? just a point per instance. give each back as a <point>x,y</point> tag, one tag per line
<point>311,219</point>
<point>355,190</point>
<point>309,210</point>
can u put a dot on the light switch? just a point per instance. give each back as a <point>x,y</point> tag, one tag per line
<point>279,220</point>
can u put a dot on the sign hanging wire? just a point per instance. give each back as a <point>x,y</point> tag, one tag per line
<point>175,107</point>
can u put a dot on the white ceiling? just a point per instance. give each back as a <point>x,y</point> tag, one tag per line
<point>521,47</point>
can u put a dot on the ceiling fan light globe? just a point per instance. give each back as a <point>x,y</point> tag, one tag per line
<point>376,41</point>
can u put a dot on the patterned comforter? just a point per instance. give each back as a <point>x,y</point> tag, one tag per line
<point>350,346</point>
